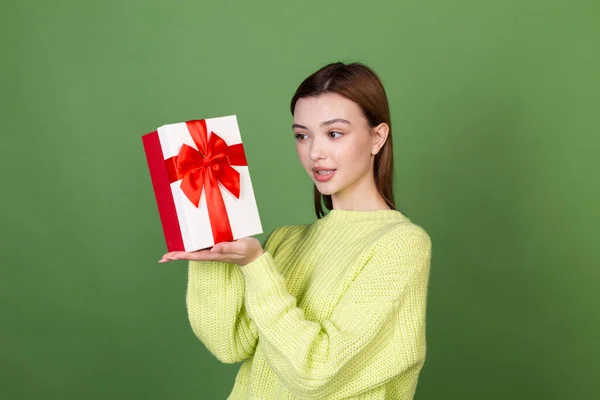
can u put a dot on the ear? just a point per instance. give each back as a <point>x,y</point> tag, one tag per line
<point>380,134</point>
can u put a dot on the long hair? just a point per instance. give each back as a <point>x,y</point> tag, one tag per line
<point>360,84</point>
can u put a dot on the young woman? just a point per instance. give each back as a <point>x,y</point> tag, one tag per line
<point>334,309</point>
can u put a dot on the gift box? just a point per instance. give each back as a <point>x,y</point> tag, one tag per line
<point>201,183</point>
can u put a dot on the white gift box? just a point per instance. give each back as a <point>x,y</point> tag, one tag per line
<point>202,183</point>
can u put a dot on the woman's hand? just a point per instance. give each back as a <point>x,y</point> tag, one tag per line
<point>242,251</point>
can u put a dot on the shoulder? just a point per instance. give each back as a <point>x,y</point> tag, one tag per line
<point>405,234</point>
<point>404,244</point>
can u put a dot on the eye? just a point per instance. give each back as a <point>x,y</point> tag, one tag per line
<point>332,134</point>
<point>300,136</point>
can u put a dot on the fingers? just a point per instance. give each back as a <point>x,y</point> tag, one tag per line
<point>169,256</point>
<point>166,257</point>
<point>223,251</point>
<point>220,248</point>
<point>202,255</point>
<point>227,248</point>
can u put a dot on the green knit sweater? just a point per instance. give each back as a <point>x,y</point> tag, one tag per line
<point>331,310</point>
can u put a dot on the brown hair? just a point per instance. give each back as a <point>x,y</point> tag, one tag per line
<point>360,84</point>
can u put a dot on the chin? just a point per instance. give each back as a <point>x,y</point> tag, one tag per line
<point>325,189</point>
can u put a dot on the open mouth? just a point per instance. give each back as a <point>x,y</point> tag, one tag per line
<point>323,175</point>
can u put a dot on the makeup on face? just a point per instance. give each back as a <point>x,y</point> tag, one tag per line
<point>330,141</point>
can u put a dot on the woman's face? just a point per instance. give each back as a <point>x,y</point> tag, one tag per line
<point>335,144</point>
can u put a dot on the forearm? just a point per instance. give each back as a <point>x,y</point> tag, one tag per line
<point>215,304</point>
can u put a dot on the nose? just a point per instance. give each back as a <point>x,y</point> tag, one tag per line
<point>317,150</point>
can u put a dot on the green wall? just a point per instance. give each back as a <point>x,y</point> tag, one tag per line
<point>495,110</point>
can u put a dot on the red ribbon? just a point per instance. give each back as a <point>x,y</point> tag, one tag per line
<point>204,169</point>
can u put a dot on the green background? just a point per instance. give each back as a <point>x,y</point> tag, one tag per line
<point>495,110</point>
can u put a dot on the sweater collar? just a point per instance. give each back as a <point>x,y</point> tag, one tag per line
<point>342,217</point>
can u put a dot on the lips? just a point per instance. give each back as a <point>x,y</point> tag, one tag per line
<point>323,174</point>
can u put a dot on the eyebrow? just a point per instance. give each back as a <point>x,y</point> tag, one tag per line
<point>329,122</point>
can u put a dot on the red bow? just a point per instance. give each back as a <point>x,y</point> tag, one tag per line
<point>206,168</point>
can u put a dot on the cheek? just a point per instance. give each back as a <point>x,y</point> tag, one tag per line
<point>353,155</point>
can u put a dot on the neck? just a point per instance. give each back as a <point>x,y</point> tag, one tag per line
<point>362,196</point>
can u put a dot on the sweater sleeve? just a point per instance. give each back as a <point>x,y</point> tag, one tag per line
<point>375,332</point>
<point>215,305</point>
<point>216,310</point>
